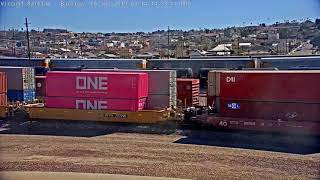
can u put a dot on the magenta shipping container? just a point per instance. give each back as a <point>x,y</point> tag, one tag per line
<point>117,85</point>
<point>96,103</point>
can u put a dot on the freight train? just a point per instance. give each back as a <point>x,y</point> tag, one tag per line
<point>195,65</point>
<point>242,98</point>
<point>186,68</point>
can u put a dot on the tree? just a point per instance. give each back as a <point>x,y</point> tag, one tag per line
<point>263,25</point>
<point>244,33</point>
<point>318,23</point>
<point>316,41</point>
<point>284,33</point>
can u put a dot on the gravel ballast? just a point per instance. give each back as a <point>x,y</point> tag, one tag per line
<point>151,155</point>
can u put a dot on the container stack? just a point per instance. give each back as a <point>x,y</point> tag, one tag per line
<point>188,92</point>
<point>271,95</point>
<point>3,89</point>
<point>162,86</point>
<point>162,89</point>
<point>21,83</point>
<point>117,91</point>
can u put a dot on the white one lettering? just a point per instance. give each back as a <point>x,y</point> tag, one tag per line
<point>102,105</point>
<point>81,83</point>
<point>80,103</point>
<point>91,105</point>
<point>91,83</point>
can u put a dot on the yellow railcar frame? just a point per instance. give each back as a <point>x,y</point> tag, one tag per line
<point>143,117</point>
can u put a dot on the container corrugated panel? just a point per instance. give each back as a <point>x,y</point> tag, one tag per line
<point>19,78</point>
<point>21,95</point>
<point>188,91</point>
<point>281,86</point>
<point>3,99</point>
<point>161,101</point>
<point>123,85</point>
<point>3,83</point>
<point>40,86</point>
<point>96,104</point>
<point>213,83</point>
<point>270,110</point>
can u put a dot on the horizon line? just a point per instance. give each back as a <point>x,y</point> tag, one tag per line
<point>244,24</point>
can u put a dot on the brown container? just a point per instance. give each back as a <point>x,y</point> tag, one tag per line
<point>269,110</point>
<point>3,83</point>
<point>188,91</point>
<point>40,86</point>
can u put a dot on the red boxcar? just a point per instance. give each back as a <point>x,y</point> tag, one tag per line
<point>40,86</point>
<point>270,110</point>
<point>3,83</point>
<point>281,86</point>
<point>96,103</point>
<point>97,84</point>
<point>188,91</point>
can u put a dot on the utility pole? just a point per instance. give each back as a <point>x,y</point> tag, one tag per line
<point>169,42</point>
<point>182,46</point>
<point>66,42</point>
<point>29,54</point>
<point>80,44</point>
<point>238,46</point>
<point>14,44</point>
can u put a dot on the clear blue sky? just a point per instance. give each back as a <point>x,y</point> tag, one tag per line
<point>140,16</point>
